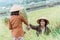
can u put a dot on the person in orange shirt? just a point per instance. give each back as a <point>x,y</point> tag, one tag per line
<point>15,23</point>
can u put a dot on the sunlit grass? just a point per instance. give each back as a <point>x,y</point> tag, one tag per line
<point>52,14</point>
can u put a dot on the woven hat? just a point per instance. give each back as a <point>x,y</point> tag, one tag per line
<point>16,7</point>
<point>42,18</point>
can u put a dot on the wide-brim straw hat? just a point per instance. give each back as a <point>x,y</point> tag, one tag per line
<point>16,7</point>
<point>43,18</point>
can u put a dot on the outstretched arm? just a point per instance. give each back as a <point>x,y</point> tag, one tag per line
<point>33,27</point>
<point>25,21</point>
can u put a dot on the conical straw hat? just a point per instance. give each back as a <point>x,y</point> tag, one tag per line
<point>16,8</point>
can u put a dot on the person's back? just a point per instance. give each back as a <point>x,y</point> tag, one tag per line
<point>15,21</point>
<point>16,25</point>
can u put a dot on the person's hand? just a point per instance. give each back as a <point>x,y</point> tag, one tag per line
<point>28,28</point>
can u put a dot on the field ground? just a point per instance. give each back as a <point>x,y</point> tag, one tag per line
<point>52,14</point>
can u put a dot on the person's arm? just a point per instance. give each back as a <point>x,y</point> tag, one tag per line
<point>48,31</point>
<point>33,27</point>
<point>9,24</point>
<point>25,21</point>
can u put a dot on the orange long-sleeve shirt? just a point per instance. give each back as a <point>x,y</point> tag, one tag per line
<point>15,24</point>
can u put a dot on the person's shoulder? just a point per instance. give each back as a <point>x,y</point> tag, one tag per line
<point>12,17</point>
<point>21,14</point>
<point>47,27</point>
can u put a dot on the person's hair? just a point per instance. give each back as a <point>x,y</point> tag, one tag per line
<point>15,13</point>
<point>46,22</point>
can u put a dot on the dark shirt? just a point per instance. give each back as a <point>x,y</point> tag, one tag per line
<point>39,31</point>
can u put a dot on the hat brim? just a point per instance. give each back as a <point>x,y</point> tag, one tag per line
<point>16,8</point>
<point>38,21</point>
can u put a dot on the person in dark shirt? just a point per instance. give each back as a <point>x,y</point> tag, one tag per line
<point>42,27</point>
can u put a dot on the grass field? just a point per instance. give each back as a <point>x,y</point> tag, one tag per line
<point>52,14</point>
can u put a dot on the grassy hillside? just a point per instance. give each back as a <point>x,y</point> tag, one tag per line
<point>52,14</point>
